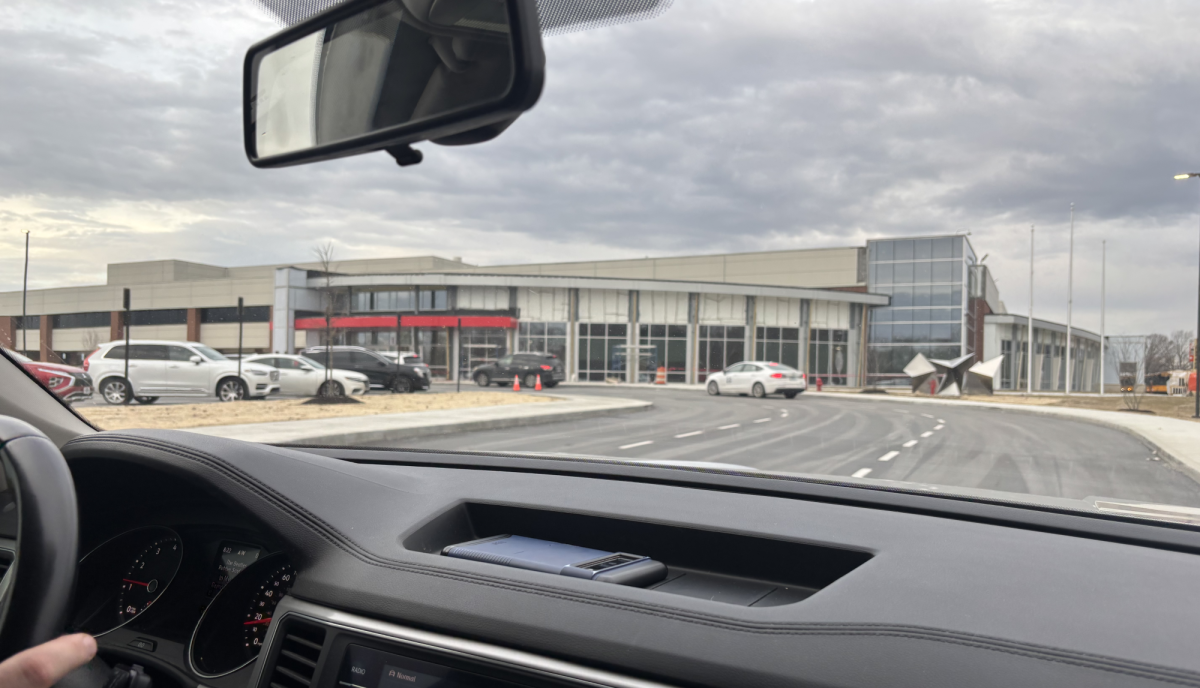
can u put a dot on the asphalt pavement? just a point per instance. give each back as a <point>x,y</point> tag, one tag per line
<point>969,447</point>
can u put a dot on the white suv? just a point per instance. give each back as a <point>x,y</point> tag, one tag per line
<point>174,369</point>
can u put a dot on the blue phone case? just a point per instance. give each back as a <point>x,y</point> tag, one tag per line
<point>565,560</point>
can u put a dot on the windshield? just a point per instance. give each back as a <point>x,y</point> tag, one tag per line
<point>898,245</point>
<point>209,353</point>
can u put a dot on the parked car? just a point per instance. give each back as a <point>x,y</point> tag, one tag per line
<point>174,369</point>
<point>306,377</point>
<point>758,378</point>
<point>67,382</point>
<point>526,367</point>
<point>382,372</point>
<point>409,358</point>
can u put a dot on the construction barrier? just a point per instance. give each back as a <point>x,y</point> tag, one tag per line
<point>661,377</point>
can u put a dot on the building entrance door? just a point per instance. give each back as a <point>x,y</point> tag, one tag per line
<point>829,355</point>
<point>433,346</point>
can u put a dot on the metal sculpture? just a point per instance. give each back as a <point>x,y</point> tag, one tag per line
<point>953,374</point>
<point>919,370</point>
<point>981,377</point>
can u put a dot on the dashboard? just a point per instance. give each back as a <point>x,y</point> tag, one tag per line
<point>771,582</point>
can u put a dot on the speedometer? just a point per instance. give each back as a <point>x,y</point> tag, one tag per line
<point>122,578</point>
<point>262,606</point>
<point>231,633</point>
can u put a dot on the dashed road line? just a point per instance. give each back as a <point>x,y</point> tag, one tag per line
<point>861,473</point>
<point>939,426</point>
<point>889,456</point>
<point>910,443</point>
<point>927,433</point>
<point>783,414</point>
<point>728,427</point>
<point>689,434</point>
<point>926,415</point>
<point>763,420</point>
<point>941,421</point>
<point>636,444</point>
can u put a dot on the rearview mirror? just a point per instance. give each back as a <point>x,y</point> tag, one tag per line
<point>370,75</point>
<point>196,359</point>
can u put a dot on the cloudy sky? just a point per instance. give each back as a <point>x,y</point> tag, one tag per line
<point>720,126</point>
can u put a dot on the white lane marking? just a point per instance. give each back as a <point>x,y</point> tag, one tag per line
<point>727,427</point>
<point>910,443</point>
<point>763,420</point>
<point>926,415</point>
<point>689,434</point>
<point>861,473</point>
<point>927,433</point>
<point>783,414</point>
<point>636,444</point>
<point>889,456</point>
<point>940,420</point>
<point>939,426</point>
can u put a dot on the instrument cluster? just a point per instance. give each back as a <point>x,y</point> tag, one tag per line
<point>167,583</point>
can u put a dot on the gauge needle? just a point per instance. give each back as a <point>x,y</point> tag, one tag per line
<point>145,585</point>
<point>255,623</point>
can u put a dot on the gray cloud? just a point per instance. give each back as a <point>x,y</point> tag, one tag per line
<point>716,127</point>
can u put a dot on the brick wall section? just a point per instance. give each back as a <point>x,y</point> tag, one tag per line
<point>193,325</point>
<point>46,332</point>
<point>979,309</point>
<point>115,331</point>
<point>7,331</point>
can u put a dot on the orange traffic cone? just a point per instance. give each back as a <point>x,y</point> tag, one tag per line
<point>516,384</point>
<point>538,386</point>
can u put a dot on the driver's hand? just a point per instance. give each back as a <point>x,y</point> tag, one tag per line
<point>46,664</point>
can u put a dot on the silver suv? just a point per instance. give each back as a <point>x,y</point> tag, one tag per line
<point>174,369</point>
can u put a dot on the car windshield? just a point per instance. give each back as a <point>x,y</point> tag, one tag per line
<point>210,353</point>
<point>942,248</point>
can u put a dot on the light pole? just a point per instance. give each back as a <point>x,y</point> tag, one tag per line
<point>25,300</point>
<point>1189,175</point>
<point>1070,296</point>
<point>1103,265</point>
<point>1029,345</point>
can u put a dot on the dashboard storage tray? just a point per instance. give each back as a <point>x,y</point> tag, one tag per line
<point>731,568</point>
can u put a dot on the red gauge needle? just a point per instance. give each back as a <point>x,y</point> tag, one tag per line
<point>255,623</point>
<point>145,585</point>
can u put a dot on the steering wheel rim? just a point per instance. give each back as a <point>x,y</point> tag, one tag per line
<point>39,594</point>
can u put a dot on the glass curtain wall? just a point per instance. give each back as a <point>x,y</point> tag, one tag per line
<point>480,346</point>
<point>779,344</point>
<point>829,355</point>
<point>720,347</point>
<point>670,350</point>
<point>542,338</point>
<point>924,277</point>
<point>602,351</point>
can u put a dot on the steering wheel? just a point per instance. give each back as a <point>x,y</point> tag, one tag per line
<point>43,572</point>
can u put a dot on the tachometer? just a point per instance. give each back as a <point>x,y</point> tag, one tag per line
<point>148,576</point>
<point>233,628</point>
<point>124,577</point>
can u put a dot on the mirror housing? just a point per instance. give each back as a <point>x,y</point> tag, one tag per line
<point>196,359</point>
<point>369,75</point>
<point>306,369</point>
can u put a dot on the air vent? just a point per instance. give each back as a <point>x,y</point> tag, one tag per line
<point>299,653</point>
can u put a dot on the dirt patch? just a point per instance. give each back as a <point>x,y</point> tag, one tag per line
<point>271,411</point>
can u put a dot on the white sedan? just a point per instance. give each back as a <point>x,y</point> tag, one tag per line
<point>758,378</point>
<point>305,377</point>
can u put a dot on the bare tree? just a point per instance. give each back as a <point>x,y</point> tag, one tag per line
<point>1159,354</point>
<point>1181,345</point>
<point>1128,354</point>
<point>331,302</point>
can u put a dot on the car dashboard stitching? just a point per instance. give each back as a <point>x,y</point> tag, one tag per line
<point>834,629</point>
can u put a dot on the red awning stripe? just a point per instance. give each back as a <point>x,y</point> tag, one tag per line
<point>389,321</point>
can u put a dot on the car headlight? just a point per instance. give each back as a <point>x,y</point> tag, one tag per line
<point>260,373</point>
<point>357,378</point>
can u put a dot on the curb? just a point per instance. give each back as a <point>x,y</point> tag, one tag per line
<point>393,427</point>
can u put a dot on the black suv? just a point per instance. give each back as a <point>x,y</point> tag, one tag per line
<point>526,367</point>
<point>382,372</point>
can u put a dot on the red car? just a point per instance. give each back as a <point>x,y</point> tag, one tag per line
<point>67,382</point>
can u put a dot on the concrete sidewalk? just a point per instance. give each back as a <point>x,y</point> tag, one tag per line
<point>400,426</point>
<point>1175,438</point>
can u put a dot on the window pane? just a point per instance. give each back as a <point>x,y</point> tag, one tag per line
<point>759,355</point>
<point>716,331</point>
<point>956,276</point>
<point>904,249</point>
<point>939,295</point>
<point>922,271</point>
<point>617,330</point>
<point>919,314</point>
<point>790,333</point>
<point>903,273</point>
<point>677,331</point>
<point>940,333</point>
<point>881,334</point>
<point>921,295</point>
<point>179,353</point>
<point>537,329</point>
<point>943,270</point>
<point>772,333</point>
<point>920,332</point>
<point>772,351</point>
<point>643,331</point>
<point>956,247</point>
<point>883,273</point>
<point>902,333</point>
<point>789,354</point>
<point>883,250</point>
<point>923,248</point>
<point>523,328</point>
<point>597,330</point>
<point>735,332</point>
<point>943,247</point>
<point>658,330</point>
<point>956,296</point>
<point>734,351</point>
